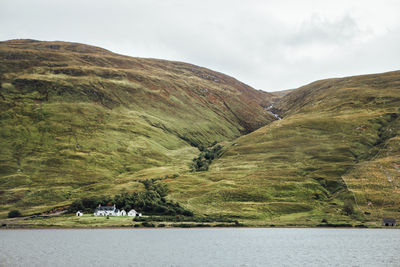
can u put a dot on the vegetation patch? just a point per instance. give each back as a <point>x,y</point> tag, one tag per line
<point>151,201</point>
<point>14,214</point>
<point>203,161</point>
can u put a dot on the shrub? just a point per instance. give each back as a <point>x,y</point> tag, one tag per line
<point>205,158</point>
<point>361,226</point>
<point>147,224</point>
<point>14,214</point>
<point>187,213</point>
<point>183,225</point>
<point>88,204</point>
<point>348,207</point>
<point>335,225</point>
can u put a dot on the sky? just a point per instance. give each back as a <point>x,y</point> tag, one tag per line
<point>269,45</point>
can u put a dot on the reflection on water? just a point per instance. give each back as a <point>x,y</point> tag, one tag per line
<point>200,247</point>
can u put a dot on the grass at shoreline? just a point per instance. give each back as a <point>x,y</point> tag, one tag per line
<point>89,221</point>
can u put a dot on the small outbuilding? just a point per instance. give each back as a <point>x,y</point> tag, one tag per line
<point>79,213</point>
<point>122,213</point>
<point>389,222</point>
<point>134,213</point>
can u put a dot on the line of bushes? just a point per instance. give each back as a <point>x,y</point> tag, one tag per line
<point>335,225</point>
<point>202,162</point>
<point>180,218</point>
<point>188,225</point>
<point>88,204</point>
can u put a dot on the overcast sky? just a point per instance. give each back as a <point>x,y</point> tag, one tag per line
<point>270,45</point>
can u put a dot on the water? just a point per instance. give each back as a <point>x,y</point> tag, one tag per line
<point>200,247</point>
<point>269,109</point>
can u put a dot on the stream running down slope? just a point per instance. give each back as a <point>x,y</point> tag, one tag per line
<point>270,111</point>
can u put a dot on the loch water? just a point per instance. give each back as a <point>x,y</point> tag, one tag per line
<point>201,247</point>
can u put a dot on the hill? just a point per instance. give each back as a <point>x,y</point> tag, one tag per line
<point>332,159</point>
<point>78,120</point>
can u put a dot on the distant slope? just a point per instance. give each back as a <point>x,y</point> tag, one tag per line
<point>337,137</point>
<point>78,120</point>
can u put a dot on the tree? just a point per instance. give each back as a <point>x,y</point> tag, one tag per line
<point>348,207</point>
<point>14,214</point>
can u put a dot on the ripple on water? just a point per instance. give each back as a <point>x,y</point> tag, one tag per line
<point>200,247</point>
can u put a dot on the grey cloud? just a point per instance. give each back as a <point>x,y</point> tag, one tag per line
<point>262,43</point>
<point>320,30</point>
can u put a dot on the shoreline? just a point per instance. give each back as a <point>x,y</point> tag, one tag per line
<point>60,222</point>
<point>210,227</point>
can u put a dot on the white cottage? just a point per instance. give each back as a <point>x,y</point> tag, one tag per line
<point>113,211</point>
<point>106,211</point>
<point>79,213</point>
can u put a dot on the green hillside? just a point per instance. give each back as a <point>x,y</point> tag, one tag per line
<point>78,120</point>
<point>337,143</point>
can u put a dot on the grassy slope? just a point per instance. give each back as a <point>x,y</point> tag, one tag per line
<point>78,120</point>
<point>295,171</point>
<point>376,182</point>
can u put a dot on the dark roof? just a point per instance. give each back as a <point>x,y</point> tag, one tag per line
<point>106,208</point>
<point>389,220</point>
